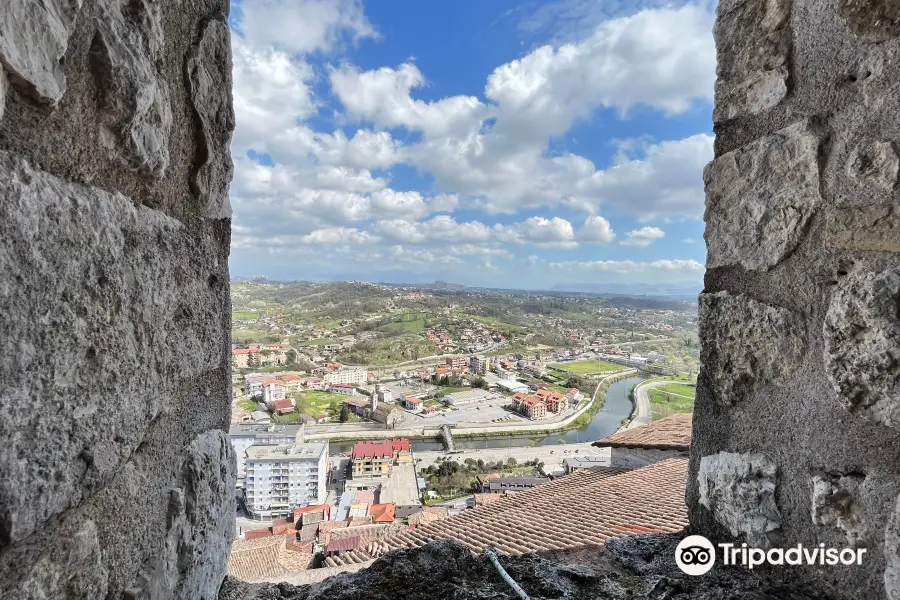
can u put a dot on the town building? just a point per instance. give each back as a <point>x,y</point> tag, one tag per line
<point>284,407</point>
<point>388,414</point>
<point>505,485</point>
<point>456,362</point>
<point>343,388</point>
<point>244,436</point>
<point>511,386</point>
<point>348,375</point>
<point>574,395</point>
<point>241,357</point>
<point>282,478</point>
<point>587,461</point>
<point>358,405</point>
<point>375,459</point>
<point>479,364</point>
<point>639,446</point>
<point>273,391</point>
<point>412,404</point>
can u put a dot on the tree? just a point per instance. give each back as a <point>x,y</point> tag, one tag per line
<point>291,356</point>
<point>511,462</point>
<point>345,413</point>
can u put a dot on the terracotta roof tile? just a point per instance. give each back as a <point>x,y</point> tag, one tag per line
<point>670,433</point>
<point>264,559</point>
<point>586,507</point>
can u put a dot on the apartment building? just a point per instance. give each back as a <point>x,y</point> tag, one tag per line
<point>273,391</point>
<point>456,362</point>
<point>345,375</point>
<point>375,459</point>
<point>244,436</point>
<point>532,407</point>
<point>479,364</point>
<point>282,478</point>
<point>240,357</point>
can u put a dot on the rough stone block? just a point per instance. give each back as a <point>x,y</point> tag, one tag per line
<point>753,39</point>
<point>875,162</point>
<point>209,72</point>
<point>746,344</point>
<point>105,308</point>
<point>200,525</point>
<point>739,490</point>
<point>872,20</point>
<point>759,199</point>
<point>862,344</point>
<point>835,503</point>
<point>865,229</point>
<point>135,116</point>
<point>892,554</point>
<point>33,38</point>
<point>72,570</point>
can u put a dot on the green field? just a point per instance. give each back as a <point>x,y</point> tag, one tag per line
<point>670,399</point>
<point>247,405</point>
<point>315,403</point>
<point>585,367</point>
<point>244,315</point>
<point>404,327</point>
<point>244,336</point>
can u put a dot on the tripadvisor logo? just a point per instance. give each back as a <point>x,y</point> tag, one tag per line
<point>696,555</point>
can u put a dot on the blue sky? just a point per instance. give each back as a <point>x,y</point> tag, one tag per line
<point>486,143</point>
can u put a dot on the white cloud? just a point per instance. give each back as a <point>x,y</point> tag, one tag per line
<point>643,237</point>
<point>630,266</point>
<point>302,26</point>
<point>539,231</point>
<point>383,98</point>
<point>596,229</point>
<point>688,241</point>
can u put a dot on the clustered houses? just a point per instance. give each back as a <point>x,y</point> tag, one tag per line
<point>456,362</point>
<point>541,404</point>
<point>259,355</point>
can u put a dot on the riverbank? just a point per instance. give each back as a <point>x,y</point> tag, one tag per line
<point>580,418</point>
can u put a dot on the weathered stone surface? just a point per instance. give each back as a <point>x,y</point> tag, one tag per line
<point>4,88</point>
<point>72,570</point>
<point>836,503</point>
<point>872,20</point>
<point>862,344</point>
<point>33,38</point>
<point>892,554</point>
<point>739,490</point>
<point>200,526</point>
<point>875,162</point>
<point>754,43</point>
<point>135,114</point>
<point>635,568</point>
<point>866,229</point>
<point>759,199</point>
<point>209,72</point>
<point>106,308</point>
<point>745,345</point>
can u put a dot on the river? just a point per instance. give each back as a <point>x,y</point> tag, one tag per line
<point>618,406</point>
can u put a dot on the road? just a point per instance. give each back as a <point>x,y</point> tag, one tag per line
<point>642,413</point>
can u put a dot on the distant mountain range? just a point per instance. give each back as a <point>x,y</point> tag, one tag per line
<point>653,290</point>
<point>632,289</point>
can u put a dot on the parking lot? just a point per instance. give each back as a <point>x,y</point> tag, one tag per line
<point>484,412</point>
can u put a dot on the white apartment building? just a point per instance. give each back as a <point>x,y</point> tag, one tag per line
<point>282,478</point>
<point>244,436</point>
<point>273,391</point>
<point>479,364</point>
<point>345,375</point>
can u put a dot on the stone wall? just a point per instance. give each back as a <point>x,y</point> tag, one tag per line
<point>116,476</point>
<point>797,424</point>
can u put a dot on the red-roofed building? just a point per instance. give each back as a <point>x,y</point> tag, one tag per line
<point>382,513</point>
<point>240,358</point>
<point>556,403</point>
<point>657,441</point>
<point>339,546</point>
<point>413,404</point>
<point>343,388</point>
<point>273,391</point>
<point>312,514</point>
<point>284,407</point>
<point>375,459</point>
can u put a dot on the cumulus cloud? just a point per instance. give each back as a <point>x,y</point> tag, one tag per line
<point>596,229</point>
<point>643,237</point>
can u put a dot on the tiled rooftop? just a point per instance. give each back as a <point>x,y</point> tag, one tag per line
<point>264,559</point>
<point>586,507</point>
<point>670,433</point>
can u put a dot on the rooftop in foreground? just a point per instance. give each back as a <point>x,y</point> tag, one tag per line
<point>670,433</point>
